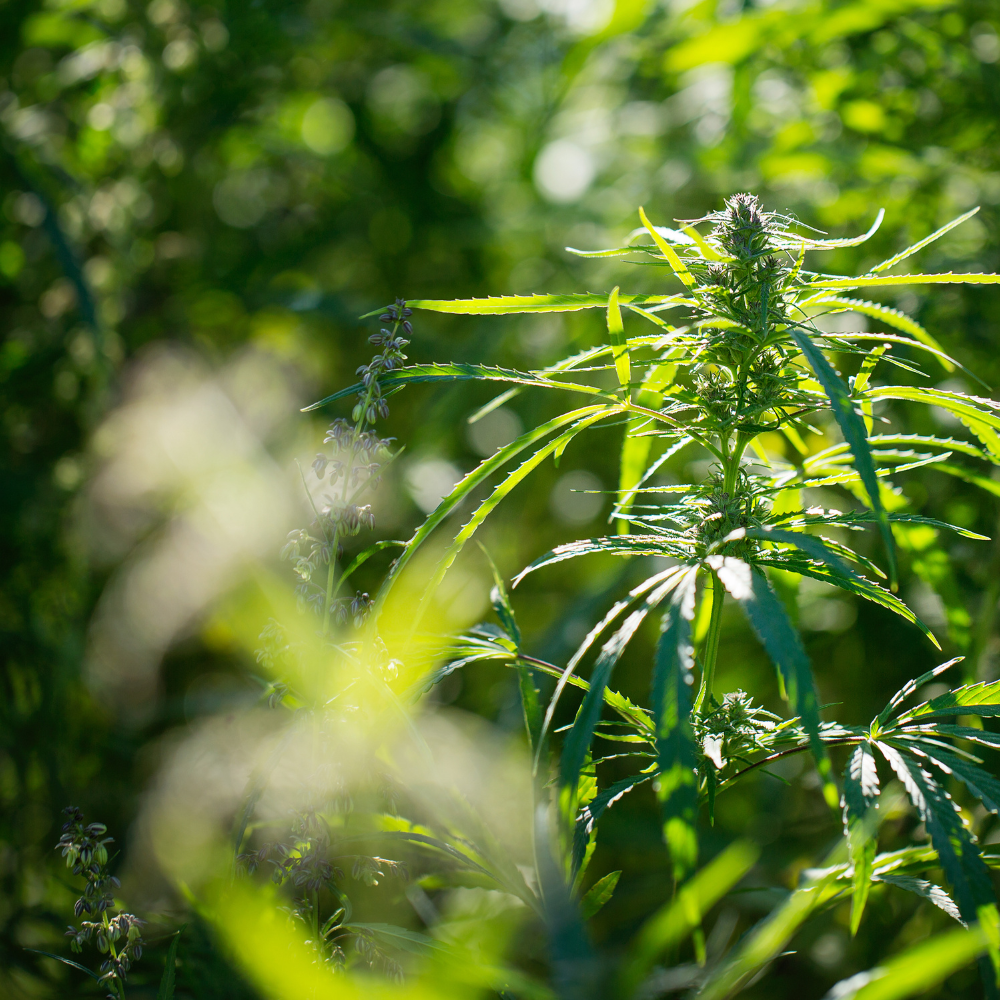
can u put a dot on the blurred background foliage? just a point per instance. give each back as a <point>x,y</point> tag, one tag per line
<point>244,180</point>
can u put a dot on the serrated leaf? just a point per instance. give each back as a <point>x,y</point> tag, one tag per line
<point>888,280</point>
<point>500,305</point>
<point>970,699</point>
<point>458,372</point>
<point>580,736</point>
<point>677,265</point>
<point>920,887</point>
<point>854,584</point>
<point>978,418</point>
<point>893,317</point>
<point>860,801</point>
<point>981,783</point>
<point>673,677</point>
<point>599,894</point>
<point>957,853</point>
<point>855,434</point>
<point>770,622</point>
<point>468,483</point>
<point>920,244</point>
<point>625,545</point>
<point>65,961</point>
<point>590,813</point>
<point>166,990</point>
<point>912,685</point>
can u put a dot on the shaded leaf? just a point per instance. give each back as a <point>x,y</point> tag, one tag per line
<point>772,626</point>
<point>599,894</point>
<point>673,678</point>
<point>860,800</point>
<point>855,434</point>
<point>682,914</point>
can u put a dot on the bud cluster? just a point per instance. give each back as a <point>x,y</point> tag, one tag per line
<point>305,863</point>
<point>84,846</point>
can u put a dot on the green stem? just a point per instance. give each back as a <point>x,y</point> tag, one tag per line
<point>328,603</point>
<point>711,645</point>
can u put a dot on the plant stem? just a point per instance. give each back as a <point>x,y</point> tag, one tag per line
<point>328,603</point>
<point>711,645</point>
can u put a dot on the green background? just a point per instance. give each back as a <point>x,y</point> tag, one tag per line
<point>258,175</point>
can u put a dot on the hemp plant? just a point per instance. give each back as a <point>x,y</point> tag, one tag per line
<point>742,363</point>
<point>118,936</point>
<point>358,458</point>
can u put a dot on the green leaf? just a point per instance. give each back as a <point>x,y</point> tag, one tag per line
<point>362,557</point>
<point>493,500</point>
<point>850,241</point>
<point>887,280</point>
<point>65,961</point>
<point>673,921</point>
<point>400,937</point>
<point>970,699</point>
<point>915,970</point>
<point>677,265</point>
<point>619,345</point>
<point>912,685</point>
<point>920,887</point>
<point>485,469</point>
<point>500,305</point>
<point>166,990</point>
<point>853,584</point>
<point>893,317</point>
<point>861,792</point>
<point>937,234</point>
<point>981,783</point>
<point>957,853</point>
<point>623,545</point>
<point>983,482</point>
<point>855,434</point>
<point>599,894</point>
<point>456,372</point>
<point>979,419</point>
<point>770,622</point>
<point>595,809</point>
<point>676,786</point>
<point>581,733</point>
<point>769,938</point>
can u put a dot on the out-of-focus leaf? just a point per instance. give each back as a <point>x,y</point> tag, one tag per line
<point>684,912</point>
<point>166,990</point>
<point>766,941</point>
<point>915,970</point>
<point>599,894</point>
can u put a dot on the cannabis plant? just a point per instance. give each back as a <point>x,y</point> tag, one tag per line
<point>731,361</point>
<point>117,935</point>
